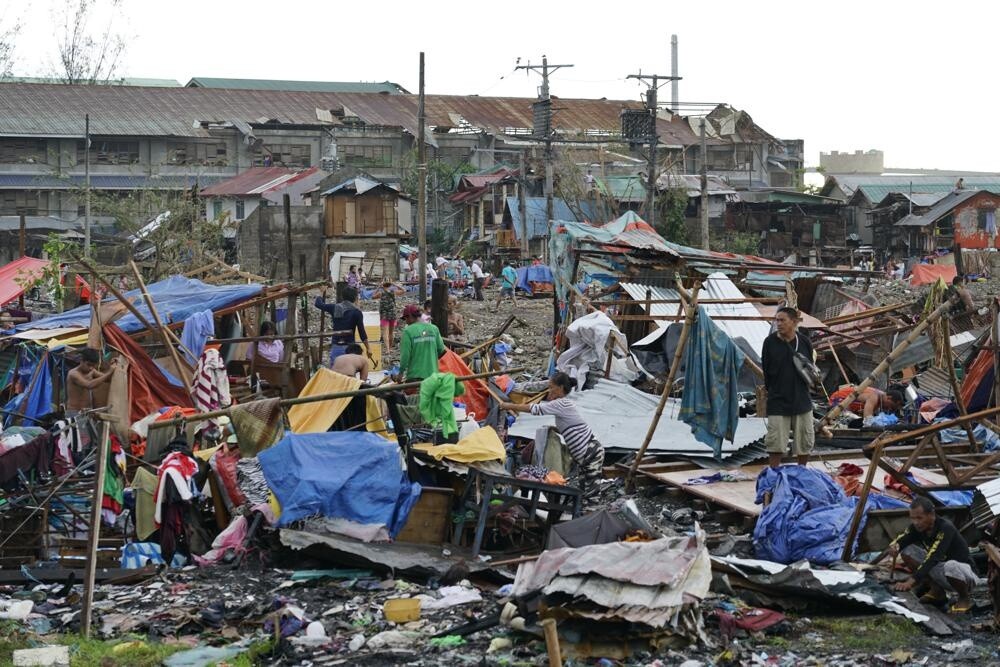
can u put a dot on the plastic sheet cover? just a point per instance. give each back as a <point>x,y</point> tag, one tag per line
<point>176,299</point>
<point>341,475</point>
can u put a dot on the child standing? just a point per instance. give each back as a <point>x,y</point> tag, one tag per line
<point>387,314</point>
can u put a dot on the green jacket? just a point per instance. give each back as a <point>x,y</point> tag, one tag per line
<point>436,395</point>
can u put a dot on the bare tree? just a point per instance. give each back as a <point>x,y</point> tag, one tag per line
<point>8,32</point>
<point>86,55</point>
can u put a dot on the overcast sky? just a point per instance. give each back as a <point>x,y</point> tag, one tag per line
<point>913,79</point>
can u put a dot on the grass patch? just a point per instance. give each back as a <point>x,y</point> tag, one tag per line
<point>868,633</point>
<point>255,655</point>
<point>117,653</point>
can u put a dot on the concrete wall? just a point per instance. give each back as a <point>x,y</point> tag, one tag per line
<point>858,162</point>
<point>250,205</point>
<point>261,242</point>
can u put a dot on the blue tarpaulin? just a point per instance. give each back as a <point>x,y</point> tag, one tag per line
<point>346,475</point>
<point>37,401</point>
<point>533,274</point>
<point>710,402</point>
<point>809,515</point>
<point>176,299</point>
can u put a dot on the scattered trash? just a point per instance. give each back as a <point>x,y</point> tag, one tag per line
<point>402,610</point>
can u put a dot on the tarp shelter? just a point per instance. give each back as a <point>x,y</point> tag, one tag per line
<point>627,233</point>
<point>14,277</point>
<point>537,275</point>
<point>176,299</point>
<point>149,389</point>
<point>926,274</point>
<point>355,476</point>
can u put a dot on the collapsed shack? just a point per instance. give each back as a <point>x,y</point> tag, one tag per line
<point>323,487</point>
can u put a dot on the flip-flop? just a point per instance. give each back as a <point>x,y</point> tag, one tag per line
<point>959,609</point>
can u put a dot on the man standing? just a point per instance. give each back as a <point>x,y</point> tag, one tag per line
<point>478,278</point>
<point>789,407</point>
<point>345,318</point>
<point>419,348</point>
<point>508,279</point>
<point>82,380</point>
<point>937,555</point>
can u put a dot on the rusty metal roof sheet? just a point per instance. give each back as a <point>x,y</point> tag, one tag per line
<point>58,110</point>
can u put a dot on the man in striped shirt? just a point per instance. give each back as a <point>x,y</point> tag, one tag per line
<point>580,441</point>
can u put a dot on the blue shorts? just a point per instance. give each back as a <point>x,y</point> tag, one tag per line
<point>506,291</point>
<point>336,351</point>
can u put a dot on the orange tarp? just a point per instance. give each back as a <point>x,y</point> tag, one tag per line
<point>925,274</point>
<point>477,398</point>
<point>149,390</point>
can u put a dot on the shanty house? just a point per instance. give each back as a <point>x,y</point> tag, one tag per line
<point>238,197</point>
<point>967,218</point>
<point>536,222</point>
<point>482,197</point>
<point>787,222</point>
<point>365,215</point>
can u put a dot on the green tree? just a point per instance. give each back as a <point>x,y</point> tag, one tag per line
<point>673,205</point>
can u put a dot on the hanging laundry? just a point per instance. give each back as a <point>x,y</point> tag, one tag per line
<point>710,403</point>
<point>197,329</point>
<point>258,425</point>
<point>174,491</point>
<point>436,396</point>
<point>211,385</point>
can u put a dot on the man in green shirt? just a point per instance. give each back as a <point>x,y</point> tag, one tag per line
<point>419,348</point>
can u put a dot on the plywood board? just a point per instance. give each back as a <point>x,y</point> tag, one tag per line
<point>739,496</point>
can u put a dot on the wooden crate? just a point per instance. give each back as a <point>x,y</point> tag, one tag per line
<point>26,545</point>
<point>429,519</point>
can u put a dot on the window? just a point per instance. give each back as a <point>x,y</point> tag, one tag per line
<point>366,156</point>
<point>987,218</point>
<point>24,202</point>
<point>109,152</point>
<point>23,151</point>
<point>240,209</point>
<point>216,208</point>
<point>283,155</point>
<point>197,153</point>
<point>389,214</point>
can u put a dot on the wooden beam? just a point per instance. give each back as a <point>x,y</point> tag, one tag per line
<point>164,336</point>
<point>94,536</point>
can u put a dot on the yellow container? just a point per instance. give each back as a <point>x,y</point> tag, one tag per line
<point>402,610</point>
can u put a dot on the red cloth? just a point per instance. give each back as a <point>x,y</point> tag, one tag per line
<point>926,274</point>
<point>148,389</point>
<point>980,367</point>
<point>476,397</point>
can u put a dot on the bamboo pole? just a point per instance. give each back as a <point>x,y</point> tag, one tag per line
<point>93,539</point>
<point>552,642</point>
<point>165,337</point>
<point>287,402</point>
<point>692,311</point>
<point>898,350</point>
<point>859,507</point>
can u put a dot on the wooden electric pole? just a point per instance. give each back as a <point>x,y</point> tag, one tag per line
<point>545,104</point>
<point>655,81</point>
<point>422,188</point>
<point>522,205</point>
<point>86,186</point>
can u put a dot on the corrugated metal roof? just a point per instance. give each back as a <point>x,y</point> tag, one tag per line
<point>942,208</point>
<point>716,286</point>
<point>257,181</point>
<point>623,188</point>
<point>104,182</point>
<point>692,184</point>
<point>128,81</point>
<point>58,110</point>
<point>876,188</point>
<point>301,86</point>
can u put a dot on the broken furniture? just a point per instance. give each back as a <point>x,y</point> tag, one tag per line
<point>511,491</point>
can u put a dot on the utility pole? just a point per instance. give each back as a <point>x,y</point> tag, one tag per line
<point>674,78</point>
<point>543,112</point>
<point>422,189</point>
<point>704,188</point>
<point>651,107</point>
<point>522,206</point>
<point>86,187</point>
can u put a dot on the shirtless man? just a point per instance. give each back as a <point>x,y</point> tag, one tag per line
<point>82,380</point>
<point>352,363</point>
